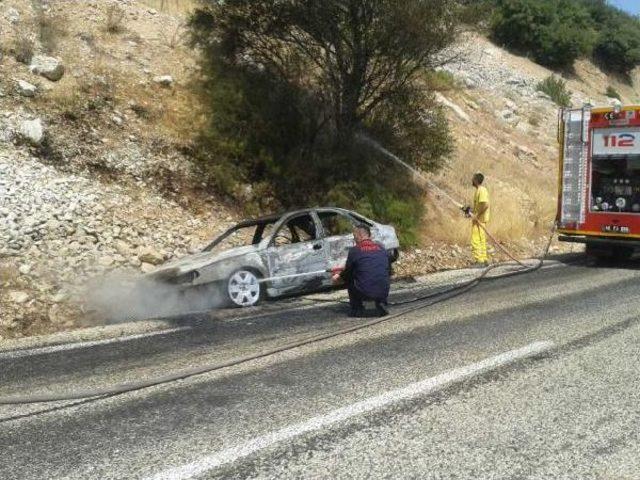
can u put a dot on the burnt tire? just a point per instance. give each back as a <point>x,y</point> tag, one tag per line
<point>243,288</point>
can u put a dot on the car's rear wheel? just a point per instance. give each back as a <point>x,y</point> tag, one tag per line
<point>244,288</point>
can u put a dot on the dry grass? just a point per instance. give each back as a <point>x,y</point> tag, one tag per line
<point>175,114</point>
<point>68,101</point>
<point>114,20</point>
<point>51,28</point>
<point>23,48</point>
<point>174,37</point>
<point>8,274</point>
<point>536,118</point>
<point>72,97</point>
<point>523,196</point>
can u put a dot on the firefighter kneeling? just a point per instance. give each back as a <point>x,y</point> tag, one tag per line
<point>366,273</point>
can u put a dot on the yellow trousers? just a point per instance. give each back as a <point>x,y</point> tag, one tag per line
<point>479,244</point>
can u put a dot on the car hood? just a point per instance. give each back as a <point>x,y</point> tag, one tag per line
<point>200,260</point>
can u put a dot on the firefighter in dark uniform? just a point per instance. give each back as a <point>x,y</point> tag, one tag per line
<point>367,273</point>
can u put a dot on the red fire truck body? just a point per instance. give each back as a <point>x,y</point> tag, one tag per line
<point>599,185</point>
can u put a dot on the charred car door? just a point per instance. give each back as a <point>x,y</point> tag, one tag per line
<point>337,228</point>
<point>297,247</point>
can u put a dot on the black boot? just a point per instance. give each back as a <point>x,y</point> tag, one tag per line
<point>381,309</point>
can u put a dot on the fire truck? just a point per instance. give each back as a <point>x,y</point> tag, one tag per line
<point>599,181</point>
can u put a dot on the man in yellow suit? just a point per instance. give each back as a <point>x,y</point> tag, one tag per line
<point>480,214</point>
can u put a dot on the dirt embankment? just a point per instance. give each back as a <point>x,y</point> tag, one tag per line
<point>95,114</point>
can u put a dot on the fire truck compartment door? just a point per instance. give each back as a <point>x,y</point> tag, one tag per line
<point>574,166</point>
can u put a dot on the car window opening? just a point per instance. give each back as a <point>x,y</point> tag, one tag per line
<point>335,224</point>
<point>241,236</point>
<point>297,230</point>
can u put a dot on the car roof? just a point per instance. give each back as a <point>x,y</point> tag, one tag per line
<point>275,217</point>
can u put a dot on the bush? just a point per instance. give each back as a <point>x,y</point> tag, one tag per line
<point>50,29</point>
<point>535,120</point>
<point>556,88</point>
<point>612,93</point>
<point>114,19</point>
<point>618,45</point>
<point>23,49</point>
<point>401,206</point>
<point>440,80</point>
<point>554,32</point>
<point>618,49</point>
<point>475,13</point>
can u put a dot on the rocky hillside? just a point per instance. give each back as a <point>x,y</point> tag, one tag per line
<point>507,129</point>
<point>95,114</point>
<point>97,117</point>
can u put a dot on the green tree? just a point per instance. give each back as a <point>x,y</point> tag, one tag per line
<point>290,84</point>
<point>557,32</point>
<point>554,32</point>
<point>618,45</point>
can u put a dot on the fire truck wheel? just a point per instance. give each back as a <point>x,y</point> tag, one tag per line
<point>613,253</point>
<point>622,253</point>
<point>597,251</point>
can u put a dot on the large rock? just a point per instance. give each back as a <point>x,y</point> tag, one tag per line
<point>122,248</point>
<point>32,131</point>
<point>455,108</point>
<point>150,256</point>
<point>26,89</point>
<point>523,152</point>
<point>106,261</point>
<point>164,80</point>
<point>25,269</point>
<point>12,15</point>
<point>18,297</point>
<point>146,268</point>
<point>49,67</point>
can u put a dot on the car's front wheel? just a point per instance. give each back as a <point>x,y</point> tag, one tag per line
<point>244,288</point>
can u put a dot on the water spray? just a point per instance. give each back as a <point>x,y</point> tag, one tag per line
<point>417,173</point>
<point>297,275</point>
<point>332,271</point>
<point>420,176</point>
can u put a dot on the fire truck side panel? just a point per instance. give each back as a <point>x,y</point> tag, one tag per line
<point>612,175</point>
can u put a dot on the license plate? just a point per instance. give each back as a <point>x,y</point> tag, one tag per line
<point>615,229</point>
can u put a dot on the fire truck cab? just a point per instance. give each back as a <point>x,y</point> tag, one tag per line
<point>599,184</point>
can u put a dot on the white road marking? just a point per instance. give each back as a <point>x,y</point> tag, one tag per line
<point>415,390</point>
<point>79,345</point>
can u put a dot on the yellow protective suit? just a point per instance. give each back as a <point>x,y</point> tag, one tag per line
<point>478,235</point>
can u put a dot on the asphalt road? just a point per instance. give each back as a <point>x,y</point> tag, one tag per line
<point>390,401</point>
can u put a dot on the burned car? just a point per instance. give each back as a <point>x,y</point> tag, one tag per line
<point>274,255</point>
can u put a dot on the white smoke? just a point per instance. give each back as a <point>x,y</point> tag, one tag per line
<point>121,298</point>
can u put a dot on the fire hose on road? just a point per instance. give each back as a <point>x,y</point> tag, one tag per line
<point>417,303</point>
<point>425,301</point>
